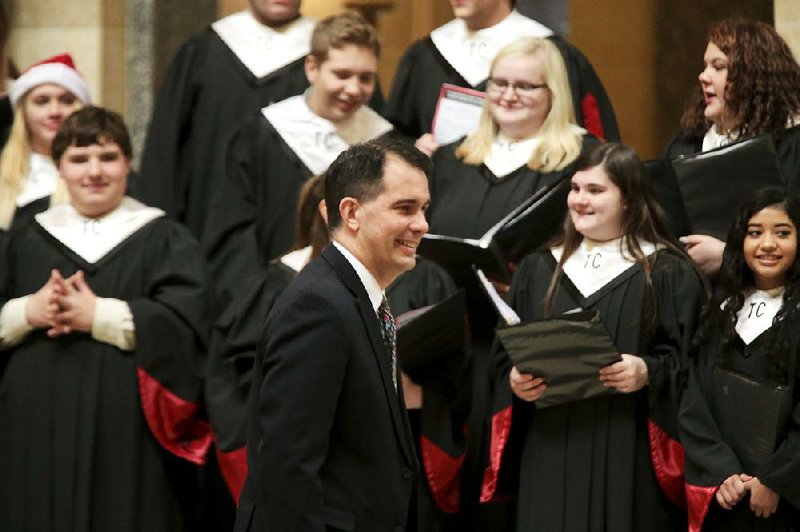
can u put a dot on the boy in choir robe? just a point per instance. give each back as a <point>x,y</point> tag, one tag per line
<point>271,155</point>
<point>220,76</point>
<point>460,53</point>
<point>103,322</point>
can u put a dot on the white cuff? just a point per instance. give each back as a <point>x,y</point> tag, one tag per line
<point>113,323</point>
<point>14,326</point>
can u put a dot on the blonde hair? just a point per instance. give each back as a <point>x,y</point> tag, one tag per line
<point>15,164</point>
<point>559,142</point>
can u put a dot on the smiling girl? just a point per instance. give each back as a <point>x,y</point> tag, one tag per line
<point>750,328</point>
<point>42,97</point>
<point>588,463</point>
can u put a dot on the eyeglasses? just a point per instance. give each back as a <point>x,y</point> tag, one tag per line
<point>520,88</point>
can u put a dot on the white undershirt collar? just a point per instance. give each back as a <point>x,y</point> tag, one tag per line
<point>757,313</point>
<point>591,267</point>
<point>40,181</point>
<point>471,53</point>
<point>262,49</point>
<point>315,140</point>
<point>92,238</point>
<point>371,285</point>
<point>297,259</point>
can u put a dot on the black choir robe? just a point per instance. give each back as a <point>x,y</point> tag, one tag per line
<point>252,217</point>
<point>253,213</point>
<point>587,465</point>
<point>709,460</point>
<point>229,370</point>
<point>207,92</point>
<point>95,438</point>
<point>466,201</point>
<point>422,70</point>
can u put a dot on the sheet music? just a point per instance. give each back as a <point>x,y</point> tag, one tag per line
<point>458,113</point>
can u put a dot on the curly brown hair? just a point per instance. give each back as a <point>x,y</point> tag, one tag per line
<point>763,88</point>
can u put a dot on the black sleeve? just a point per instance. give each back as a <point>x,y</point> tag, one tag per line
<point>231,358</point>
<point>164,178</point>
<point>172,320</point>
<point>402,108</point>
<point>592,105</point>
<point>230,237</point>
<point>680,296</point>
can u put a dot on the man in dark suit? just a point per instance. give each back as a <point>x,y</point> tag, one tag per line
<point>331,447</point>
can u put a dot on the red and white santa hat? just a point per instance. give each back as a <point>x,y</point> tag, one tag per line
<point>59,69</point>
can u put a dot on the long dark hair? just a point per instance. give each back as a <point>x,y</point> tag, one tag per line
<point>735,277</point>
<point>642,221</point>
<point>763,89</point>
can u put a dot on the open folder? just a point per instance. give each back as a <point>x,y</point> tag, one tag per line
<point>431,339</point>
<point>567,351</point>
<point>713,184</point>
<point>520,232</point>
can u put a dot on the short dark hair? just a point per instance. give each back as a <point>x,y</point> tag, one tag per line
<point>92,125</point>
<point>338,31</point>
<point>358,172</point>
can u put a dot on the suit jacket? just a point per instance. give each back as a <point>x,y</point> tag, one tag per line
<point>331,448</point>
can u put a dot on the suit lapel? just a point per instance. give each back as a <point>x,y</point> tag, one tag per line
<point>382,356</point>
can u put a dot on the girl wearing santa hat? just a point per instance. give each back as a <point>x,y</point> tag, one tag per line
<point>42,97</point>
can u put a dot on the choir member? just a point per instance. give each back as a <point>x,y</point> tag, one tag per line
<point>749,85</point>
<point>460,53</point>
<point>102,328</point>
<point>271,154</point>
<point>587,465</point>
<point>42,98</point>
<point>222,75</point>
<point>749,332</point>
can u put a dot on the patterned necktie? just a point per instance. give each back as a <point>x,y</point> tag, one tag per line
<point>389,333</point>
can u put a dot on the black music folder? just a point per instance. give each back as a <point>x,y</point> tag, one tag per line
<point>520,232</point>
<point>567,351</point>
<point>761,408</point>
<point>431,340</point>
<point>713,184</point>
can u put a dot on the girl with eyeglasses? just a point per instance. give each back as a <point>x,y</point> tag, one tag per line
<point>527,139</point>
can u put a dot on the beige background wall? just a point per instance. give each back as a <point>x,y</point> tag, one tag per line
<point>93,31</point>
<point>787,22</point>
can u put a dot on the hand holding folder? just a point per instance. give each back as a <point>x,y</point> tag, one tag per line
<point>567,351</point>
<point>713,184</point>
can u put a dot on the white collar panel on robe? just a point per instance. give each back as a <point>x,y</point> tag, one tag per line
<point>713,139</point>
<point>40,181</point>
<point>315,140</point>
<point>471,53</point>
<point>92,238</point>
<point>757,313</point>
<point>507,156</point>
<point>262,49</point>
<point>297,259</point>
<point>590,268</point>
